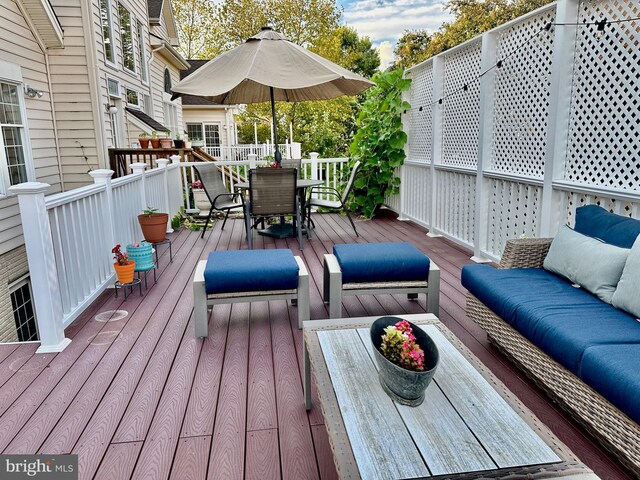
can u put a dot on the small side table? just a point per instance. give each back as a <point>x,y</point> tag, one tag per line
<point>131,285</point>
<point>165,241</point>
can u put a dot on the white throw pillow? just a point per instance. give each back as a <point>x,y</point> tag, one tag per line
<point>627,294</point>
<point>594,265</point>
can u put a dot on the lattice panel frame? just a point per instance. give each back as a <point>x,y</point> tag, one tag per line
<point>456,193</point>
<point>521,97</point>
<point>418,122</point>
<point>603,142</point>
<point>461,110</point>
<point>571,201</point>
<point>513,211</point>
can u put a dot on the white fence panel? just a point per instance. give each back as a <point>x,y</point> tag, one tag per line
<point>154,189</point>
<point>81,239</point>
<point>454,213</point>
<point>416,188</point>
<point>127,205</point>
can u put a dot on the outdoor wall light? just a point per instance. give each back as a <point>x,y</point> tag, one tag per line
<point>111,109</point>
<point>32,92</point>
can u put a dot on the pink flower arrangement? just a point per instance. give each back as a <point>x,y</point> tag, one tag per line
<point>120,257</point>
<point>197,184</point>
<point>400,347</point>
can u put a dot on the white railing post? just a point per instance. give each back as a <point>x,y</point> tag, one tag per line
<point>485,139</point>
<point>140,168</point>
<point>103,177</point>
<point>42,265</point>
<point>564,45</point>
<point>162,163</point>
<point>436,141</point>
<point>252,160</point>
<point>314,165</point>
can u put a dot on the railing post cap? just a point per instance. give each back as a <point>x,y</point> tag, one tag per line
<point>138,166</point>
<point>175,158</point>
<point>162,162</point>
<point>101,173</point>
<point>314,154</point>
<point>29,188</point>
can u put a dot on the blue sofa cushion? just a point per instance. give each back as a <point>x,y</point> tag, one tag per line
<point>250,271</point>
<point>612,370</point>
<point>381,262</point>
<point>559,319</point>
<point>614,229</point>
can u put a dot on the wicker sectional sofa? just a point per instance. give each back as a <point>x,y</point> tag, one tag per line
<point>584,353</point>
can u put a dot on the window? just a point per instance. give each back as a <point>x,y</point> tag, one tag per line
<point>126,35</point>
<point>134,99</point>
<point>23,313</point>
<point>147,106</point>
<point>12,140</point>
<point>194,131</point>
<point>107,31</point>
<point>211,135</point>
<point>143,52</point>
<point>113,86</point>
<point>171,117</point>
<point>167,81</point>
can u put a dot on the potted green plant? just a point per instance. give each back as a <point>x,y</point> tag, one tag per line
<point>143,138</point>
<point>123,266</point>
<point>153,225</point>
<point>155,140</point>
<point>166,142</point>
<point>178,142</point>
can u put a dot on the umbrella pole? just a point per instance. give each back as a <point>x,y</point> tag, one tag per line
<point>277,155</point>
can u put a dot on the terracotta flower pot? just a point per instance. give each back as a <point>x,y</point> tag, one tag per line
<point>144,142</point>
<point>155,143</point>
<point>154,227</point>
<point>125,272</point>
<point>166,143</point>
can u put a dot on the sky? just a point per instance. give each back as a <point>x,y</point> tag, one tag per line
<point>383,21</point>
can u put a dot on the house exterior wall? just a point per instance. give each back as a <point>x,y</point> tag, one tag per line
<point>13,265</point>
<point>212,115</point>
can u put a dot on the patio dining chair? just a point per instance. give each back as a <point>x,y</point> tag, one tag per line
<point>272,193</point>
<point>292,163</point>
<point>221,199</point>
<point>340,199</point>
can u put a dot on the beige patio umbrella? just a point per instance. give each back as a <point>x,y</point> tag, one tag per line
<point>269,67</point>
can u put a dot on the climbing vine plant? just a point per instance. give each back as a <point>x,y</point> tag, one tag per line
<point>379,142</point>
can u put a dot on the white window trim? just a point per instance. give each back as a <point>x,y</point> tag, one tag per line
<point>138,105</point>
<point>204,133</point>
<point>144,62</point>
<point>132,21</point>
<point>113,43</point>
<point>119,93</point>
<point>5,182</point>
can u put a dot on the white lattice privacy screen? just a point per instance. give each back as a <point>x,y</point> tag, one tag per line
<point>604,140</point>
<point>460,106</point>
<point>513,149</point>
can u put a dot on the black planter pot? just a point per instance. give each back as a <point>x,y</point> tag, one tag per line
<point>404,386</point>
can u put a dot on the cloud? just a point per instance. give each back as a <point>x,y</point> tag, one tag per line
<point>385,49</point>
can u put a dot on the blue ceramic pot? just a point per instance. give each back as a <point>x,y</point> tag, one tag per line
<point>404,386</point>
<point>143,256</point>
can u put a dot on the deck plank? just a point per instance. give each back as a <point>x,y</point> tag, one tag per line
<point>89,392</point>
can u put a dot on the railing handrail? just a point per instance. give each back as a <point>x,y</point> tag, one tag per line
<point>70,196</point>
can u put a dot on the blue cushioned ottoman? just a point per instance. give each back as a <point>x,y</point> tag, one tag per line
<point>381,262</point>
<point>377,268</point>
<point>250,270</point>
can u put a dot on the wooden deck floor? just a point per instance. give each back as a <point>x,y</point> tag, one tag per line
<point>136,395</point>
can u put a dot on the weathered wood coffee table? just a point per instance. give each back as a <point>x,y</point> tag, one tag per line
<point>469,426</point>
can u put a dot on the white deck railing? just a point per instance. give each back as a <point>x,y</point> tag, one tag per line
<point>513,150</point>
<point>69,235</point>
<point>241,152</point>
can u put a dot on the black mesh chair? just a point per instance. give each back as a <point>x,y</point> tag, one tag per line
<point>272,193</point>
<point>340,199</point>
<point>219,196</point>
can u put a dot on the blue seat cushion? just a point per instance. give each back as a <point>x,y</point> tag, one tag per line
<point>250,271</point>
<point>612,370</point>
<point>381,262</point>
<point>561,320</point>
<point>613,229</point>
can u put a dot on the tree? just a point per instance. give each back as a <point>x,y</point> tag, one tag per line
<point>411,48</point>
<point>472,17</point>
<point>197,28</point>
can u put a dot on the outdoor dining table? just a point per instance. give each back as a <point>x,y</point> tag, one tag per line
<point>285,230</point>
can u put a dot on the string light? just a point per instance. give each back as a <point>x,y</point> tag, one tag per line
<point>548,27</point>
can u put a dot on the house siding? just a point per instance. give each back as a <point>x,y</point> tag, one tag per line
<point>13,265</point>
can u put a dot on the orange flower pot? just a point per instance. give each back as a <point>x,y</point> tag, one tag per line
<point>154,227</point>
<point>125,272</point>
